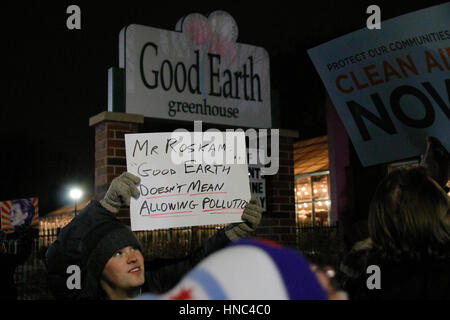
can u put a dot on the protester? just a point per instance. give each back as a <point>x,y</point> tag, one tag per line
<point>15,248</point>
<point>435,161</point>
<point>409,227</point>
<point>252,269</point>
<point>109,256</point>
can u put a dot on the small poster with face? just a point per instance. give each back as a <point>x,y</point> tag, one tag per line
<point>19,212</point>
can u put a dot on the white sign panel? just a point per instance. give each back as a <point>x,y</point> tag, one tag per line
<point>391,87</point>
<point>198,72</point>
<point>185,181</point>
<point>258,186</point>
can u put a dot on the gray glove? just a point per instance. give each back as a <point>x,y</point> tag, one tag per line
<point>251,217</point>
<point>120,191</point>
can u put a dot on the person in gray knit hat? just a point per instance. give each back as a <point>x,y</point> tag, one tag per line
<point>109,255</point>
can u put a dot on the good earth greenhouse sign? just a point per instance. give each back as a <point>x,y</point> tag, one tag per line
<point>198,72</point>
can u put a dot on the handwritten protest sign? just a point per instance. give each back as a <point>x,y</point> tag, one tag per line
<point>391,87</point>
<point>187,179</point>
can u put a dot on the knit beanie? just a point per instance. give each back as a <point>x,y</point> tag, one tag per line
<point>249,269</point>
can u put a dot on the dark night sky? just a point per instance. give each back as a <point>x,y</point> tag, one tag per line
<point>57,78</point>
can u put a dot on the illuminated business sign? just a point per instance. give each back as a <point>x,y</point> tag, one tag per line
<point>198,72</point>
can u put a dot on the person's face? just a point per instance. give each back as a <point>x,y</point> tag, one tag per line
<point>17,215</point>
<point>125,269</point>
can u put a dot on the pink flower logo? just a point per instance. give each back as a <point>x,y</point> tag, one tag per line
<point>217,33</point>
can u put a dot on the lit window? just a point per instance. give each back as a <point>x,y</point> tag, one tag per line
<point>313,203</point>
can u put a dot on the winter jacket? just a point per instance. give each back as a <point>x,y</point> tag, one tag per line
<point>399,280</point>
<point>405,280</point>
<point>79,238</point>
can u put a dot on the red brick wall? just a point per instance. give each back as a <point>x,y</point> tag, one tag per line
<point>278,223</point>
<point>110,160</point>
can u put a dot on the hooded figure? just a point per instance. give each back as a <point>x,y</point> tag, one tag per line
<point>88,242</point>
<point>108,254</point>
<point>15,248</point>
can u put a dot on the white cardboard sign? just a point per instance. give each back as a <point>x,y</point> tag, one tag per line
<point>258,186</point>
<point>181,185</point>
